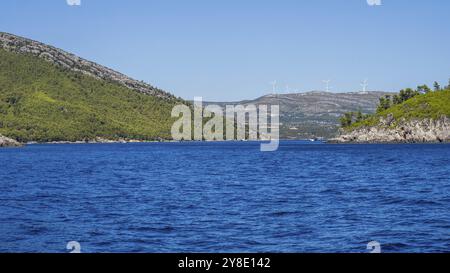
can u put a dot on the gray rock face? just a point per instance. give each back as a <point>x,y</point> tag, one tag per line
<point>7,142</point>
<point>414,131</point>
<point>69,61</point>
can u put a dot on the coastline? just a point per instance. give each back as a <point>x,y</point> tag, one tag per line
<point>333,141</point>
<point>338,142</point>
<point>426,130</point>
<point>330,141</point>
<point>104,141</point>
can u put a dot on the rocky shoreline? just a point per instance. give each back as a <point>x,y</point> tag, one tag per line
<point>100,140</point>
<point>8,142</point>
<point>388,131</point>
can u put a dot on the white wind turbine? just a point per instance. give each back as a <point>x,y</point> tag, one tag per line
<point>274,87</point>
<point>327,85</point>
<point>364,85</point>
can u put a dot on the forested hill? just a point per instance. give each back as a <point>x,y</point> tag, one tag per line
<point>47,95</point>
<point>420,115</point>
<point>69,61</point>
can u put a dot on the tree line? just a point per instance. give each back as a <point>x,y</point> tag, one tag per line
<point>389,101</point>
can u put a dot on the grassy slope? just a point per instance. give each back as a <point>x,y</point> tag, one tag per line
<point>432,105</point>
<point>42,102</point>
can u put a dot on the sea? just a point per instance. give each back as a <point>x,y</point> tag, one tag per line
<point>225,197</point>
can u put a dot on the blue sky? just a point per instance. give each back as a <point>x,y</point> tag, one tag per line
<point>232,49</point>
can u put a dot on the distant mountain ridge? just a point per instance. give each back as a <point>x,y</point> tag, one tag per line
<point>74,63</point>
<point>315,114</point>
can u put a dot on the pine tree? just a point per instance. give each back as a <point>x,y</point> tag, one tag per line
<point>346,119</point>
<point>437,86</point>
<point>423,89</point>
<point>359,116</point>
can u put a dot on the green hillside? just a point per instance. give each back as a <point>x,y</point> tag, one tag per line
<point>42,102</point>
<point>431,105</point>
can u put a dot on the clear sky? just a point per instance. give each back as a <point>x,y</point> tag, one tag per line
<point>233,49</point>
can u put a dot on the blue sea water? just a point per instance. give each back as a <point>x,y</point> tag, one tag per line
<point>225,197</point>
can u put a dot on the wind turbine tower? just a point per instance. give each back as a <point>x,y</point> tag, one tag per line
<point>274,87</point>
<point>327,85</point>
<point>364,85</point>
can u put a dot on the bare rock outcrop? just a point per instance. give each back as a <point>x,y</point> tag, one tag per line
<point>8,142</point>
<point>412,131</point>
<point>72,62</point>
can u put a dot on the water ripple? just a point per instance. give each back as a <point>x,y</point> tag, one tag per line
<point>225,197</point>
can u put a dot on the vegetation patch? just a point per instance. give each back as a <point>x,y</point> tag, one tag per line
<point>42,102</point>
<point>408,104</point>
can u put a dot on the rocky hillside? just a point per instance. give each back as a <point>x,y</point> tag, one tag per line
<point>316,114</point>
<point>47,94</point>
<point>74,63</point>
<point>424,118</point>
